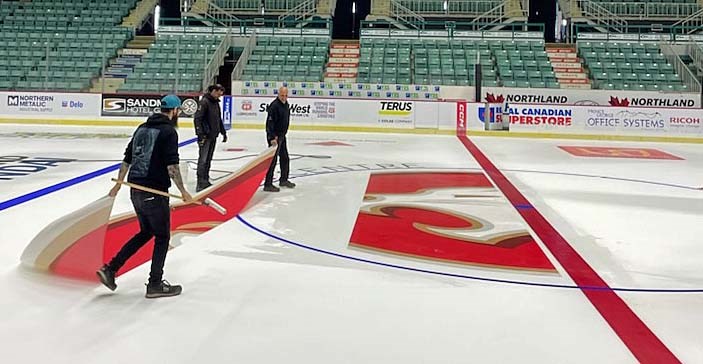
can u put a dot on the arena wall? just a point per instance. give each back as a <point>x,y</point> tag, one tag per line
<point>529,112</point>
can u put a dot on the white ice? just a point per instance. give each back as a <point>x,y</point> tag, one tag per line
<point>250,298</point>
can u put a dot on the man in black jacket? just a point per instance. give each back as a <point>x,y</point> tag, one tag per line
<point>208,125</point>
<point>151,158</point>
<point>277,123</point>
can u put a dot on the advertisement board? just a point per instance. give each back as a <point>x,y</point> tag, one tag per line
<point>226,106</point>
<point>461,118</point>
<point>49,104</point>
<point>590,97</point>
<point>598,120</point>
<point>318,111</point>
<point>128,105</point>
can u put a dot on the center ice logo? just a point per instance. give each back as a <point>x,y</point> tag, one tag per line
<point>428,215</point>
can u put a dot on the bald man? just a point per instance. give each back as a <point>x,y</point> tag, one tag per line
<point>277,123</point>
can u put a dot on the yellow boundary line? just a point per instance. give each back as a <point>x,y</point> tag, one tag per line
<point>364,129</point>
<point>75,122</point>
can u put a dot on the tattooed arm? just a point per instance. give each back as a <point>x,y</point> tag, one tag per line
<point>124,167</point>
<point>175,173</point>
<point>120,177</point>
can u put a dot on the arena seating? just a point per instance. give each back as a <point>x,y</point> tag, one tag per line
<point>158,69</point>
<point>58,45</point>
<point>451,62</point>
<point>295,59</point>
<point>637,66</point>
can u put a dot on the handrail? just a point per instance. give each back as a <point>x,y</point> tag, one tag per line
<point>302,11</point>
<point>454,7</point>
<point>639,33</point>
<point>686,75</point>
<point>602,16</point>
<point>212,68</point>
<point>458,25</point>
<point>691,22</point>
<point>407,16</point>
<point>696,52</point>
<point>497,14</point>
<point>575,10</point>
<point>272,6</point>
<point>219,14</point>
<point>525,8</point>
<point>240,27</point>
<point>650,10</point>
<point>244,58</point>
<point>448,29</point>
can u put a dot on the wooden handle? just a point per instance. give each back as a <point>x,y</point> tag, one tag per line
<point>207,202</point>
<point>147,189</point>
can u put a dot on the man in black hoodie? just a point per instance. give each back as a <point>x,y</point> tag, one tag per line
<point>277,123</point>
<point>208,125</point>
<point>151,158</point>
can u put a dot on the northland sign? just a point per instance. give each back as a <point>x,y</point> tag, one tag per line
<point>590,97</point>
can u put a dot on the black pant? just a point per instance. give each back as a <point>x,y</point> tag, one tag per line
<point>281,151</point>
<point>154,217</point>
<point>206,149</point>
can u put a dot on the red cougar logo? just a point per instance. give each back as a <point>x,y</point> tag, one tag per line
<point>614,101</point>
<point>495,100</point>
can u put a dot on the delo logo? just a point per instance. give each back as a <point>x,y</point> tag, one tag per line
<point>72,104</point>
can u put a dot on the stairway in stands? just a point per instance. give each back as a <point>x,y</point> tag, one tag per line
<point>123,65</point>
<point>567,66</point>
<point>343,62</point>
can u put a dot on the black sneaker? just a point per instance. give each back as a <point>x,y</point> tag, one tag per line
<point>287,184</point>
<point>271,188</point>
<point>163,289</point>
<point>200,188</point>
<point>107,277</point>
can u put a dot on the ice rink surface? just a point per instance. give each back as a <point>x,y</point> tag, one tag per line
<point>281,283</point>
